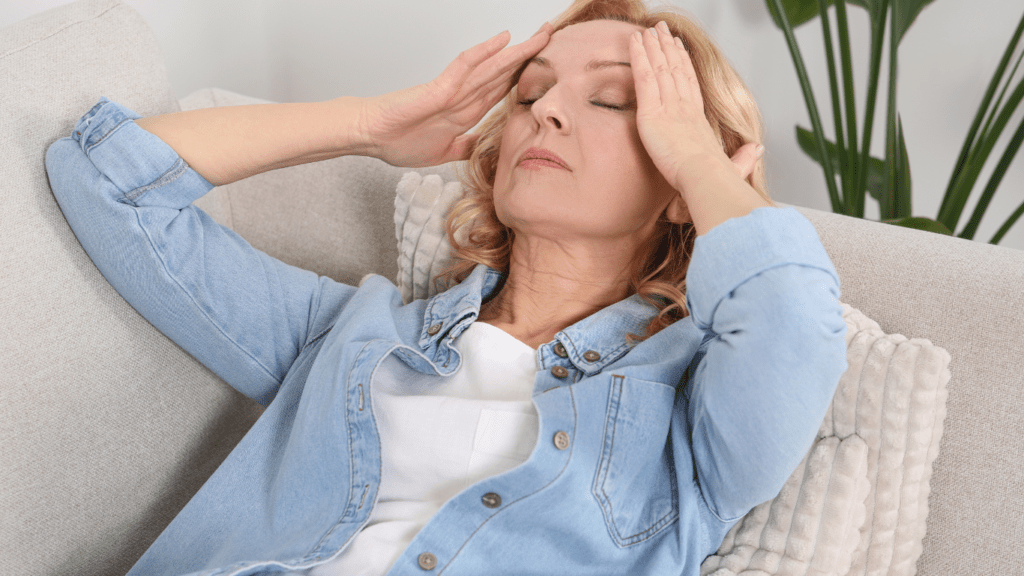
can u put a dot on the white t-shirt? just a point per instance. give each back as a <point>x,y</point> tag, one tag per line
<point>439,436</point>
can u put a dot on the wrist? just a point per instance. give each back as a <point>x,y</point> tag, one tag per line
<point>349,132</point>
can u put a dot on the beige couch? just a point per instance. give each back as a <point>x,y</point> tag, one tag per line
<point>107,428</point>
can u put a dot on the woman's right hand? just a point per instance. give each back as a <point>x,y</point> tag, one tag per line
<point>426,125</point>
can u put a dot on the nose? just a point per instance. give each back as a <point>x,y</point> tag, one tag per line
<point>550,110</point>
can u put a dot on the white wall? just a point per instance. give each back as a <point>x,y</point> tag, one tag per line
<point>317,49</point>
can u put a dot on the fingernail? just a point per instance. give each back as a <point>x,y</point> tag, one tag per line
<point>653,32</point>
<point>760,150</point>
<point>637,36</point>
<point>663,26</point>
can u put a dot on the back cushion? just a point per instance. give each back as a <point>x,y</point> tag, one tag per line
<point>106,427</point>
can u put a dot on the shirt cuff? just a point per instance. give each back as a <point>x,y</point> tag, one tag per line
<point>137,162</point>
<point>741,248</point>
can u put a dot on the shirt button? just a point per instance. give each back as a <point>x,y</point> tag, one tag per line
<point>559,371</point>
<point>433,330</point>
<point>591,356</point>
<point>560,350</point>
<point>561,440</point>
<point>427,561</point>
<point>491,500</point>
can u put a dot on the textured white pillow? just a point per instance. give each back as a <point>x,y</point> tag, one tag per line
<point>859,501</point>
<point>812,526</point>
<point>892,401</point>
<point>421,207</point>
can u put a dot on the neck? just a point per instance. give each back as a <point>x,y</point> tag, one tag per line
<point>551,286</point>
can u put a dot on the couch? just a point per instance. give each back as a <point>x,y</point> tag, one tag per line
<point>107,428</point>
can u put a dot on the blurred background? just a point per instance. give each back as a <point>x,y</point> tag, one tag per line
<point>308,50</point>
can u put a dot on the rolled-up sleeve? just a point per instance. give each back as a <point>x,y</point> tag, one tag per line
<point>128,198</point>
<point>766,293</point>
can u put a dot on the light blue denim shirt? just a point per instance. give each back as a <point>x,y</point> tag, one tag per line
<point>646,455</point>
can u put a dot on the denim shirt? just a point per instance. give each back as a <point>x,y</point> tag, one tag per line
<point>647,453</point>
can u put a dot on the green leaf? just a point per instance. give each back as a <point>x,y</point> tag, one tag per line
<point>875,8</point>
<point>906,13</point>
<point>920,223</point>
<point>803,11</point>
<point>797,11</point>
<point>903,185</point>
<point>876,167</point>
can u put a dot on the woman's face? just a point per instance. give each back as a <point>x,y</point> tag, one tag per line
<point>576,100</point>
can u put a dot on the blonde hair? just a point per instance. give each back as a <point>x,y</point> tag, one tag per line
<point>478,237</point>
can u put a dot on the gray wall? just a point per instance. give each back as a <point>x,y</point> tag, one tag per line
<point>317,49</point>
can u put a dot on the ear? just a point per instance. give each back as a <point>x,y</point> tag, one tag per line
<point>677,211</point>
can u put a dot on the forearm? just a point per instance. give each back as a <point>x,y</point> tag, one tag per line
<point>230,143</point>
<point>714,193</point>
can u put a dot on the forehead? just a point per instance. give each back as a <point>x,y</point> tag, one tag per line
<point>582,42</point>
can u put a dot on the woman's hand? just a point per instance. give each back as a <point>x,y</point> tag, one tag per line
<point>426,125</point>
<point>672,125</point>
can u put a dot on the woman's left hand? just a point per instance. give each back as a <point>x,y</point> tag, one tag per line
<point>670,112</point>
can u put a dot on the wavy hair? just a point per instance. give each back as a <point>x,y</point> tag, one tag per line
<point>478,237</point>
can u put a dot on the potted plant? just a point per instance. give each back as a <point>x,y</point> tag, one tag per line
<point>851,173</point>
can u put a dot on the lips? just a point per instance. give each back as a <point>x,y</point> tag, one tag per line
<point>544,156</point>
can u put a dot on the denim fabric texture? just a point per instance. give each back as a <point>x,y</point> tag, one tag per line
<point>670,440</point>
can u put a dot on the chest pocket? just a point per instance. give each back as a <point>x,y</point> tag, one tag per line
<point>635,484</point>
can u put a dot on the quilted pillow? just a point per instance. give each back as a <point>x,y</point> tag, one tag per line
<point>421,206</point>
<point>891,400</point>
<point>812,526</point>
<point>858,502</point>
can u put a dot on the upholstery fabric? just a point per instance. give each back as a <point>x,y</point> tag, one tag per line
<point>964,297</point>
<point>106,427</point>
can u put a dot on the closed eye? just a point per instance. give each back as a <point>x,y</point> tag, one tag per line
<point>631,105</point>
<point>528,103</point>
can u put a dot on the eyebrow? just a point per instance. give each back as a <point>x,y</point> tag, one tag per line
<point>592,66</point>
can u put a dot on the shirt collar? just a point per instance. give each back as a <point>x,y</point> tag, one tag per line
<point>590,344</point>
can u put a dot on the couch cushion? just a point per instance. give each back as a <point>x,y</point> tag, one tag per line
<point>106,427</point>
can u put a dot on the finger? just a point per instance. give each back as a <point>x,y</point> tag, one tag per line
<point>646,86</point>
<point>461,148</point>
<point>512,58</point>
<point>507,65</point>
<point>546,27</point>
<point>662,74</point>
<point>468,60</point>
<point>689,74</point>
<point>674,57</point>
<point>746,158</point>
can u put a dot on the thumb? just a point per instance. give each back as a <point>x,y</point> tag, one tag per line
<point>745,159</point>
<point>461,148</point>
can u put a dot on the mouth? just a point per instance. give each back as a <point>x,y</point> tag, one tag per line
<point>536,158</point>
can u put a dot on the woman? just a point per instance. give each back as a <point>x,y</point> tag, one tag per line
<point>599,392</point>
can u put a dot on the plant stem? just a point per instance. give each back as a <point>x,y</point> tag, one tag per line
<point>877,38</point>
<point>993,183</point>
<point>949,212</point>
<point>1007,225</point>
<point>889,205</point>
<point>854,196</point>
<point>837,110</point>
<point>812,107</point>
<point>979,154</point>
